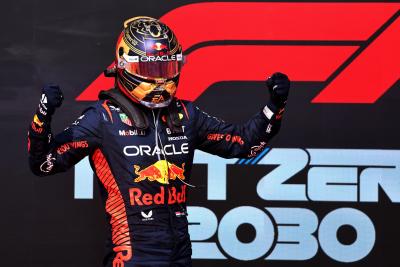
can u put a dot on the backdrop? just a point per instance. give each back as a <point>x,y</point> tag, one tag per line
<point>327,190</point>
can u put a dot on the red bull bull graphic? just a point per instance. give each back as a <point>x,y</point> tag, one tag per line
<point>162,171</point>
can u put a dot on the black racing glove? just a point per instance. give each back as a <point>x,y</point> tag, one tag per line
<point>39,129</point>
<point>278,85</point>
<point>51,99</point>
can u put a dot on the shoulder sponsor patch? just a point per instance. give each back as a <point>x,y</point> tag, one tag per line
<point>125,119</point>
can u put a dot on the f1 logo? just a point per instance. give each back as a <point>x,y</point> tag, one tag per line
<point>351,47</point>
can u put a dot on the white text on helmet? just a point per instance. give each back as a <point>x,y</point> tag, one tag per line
<point>133,151</point>
<point>164,58</point>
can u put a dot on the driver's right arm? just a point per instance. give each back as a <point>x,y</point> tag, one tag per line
<point>48,155</point>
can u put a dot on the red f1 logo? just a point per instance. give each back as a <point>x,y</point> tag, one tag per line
<point>352,47</point>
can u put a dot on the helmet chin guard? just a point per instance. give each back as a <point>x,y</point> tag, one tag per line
<point>154,105</point>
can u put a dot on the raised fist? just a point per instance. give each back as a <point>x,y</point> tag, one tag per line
<point>278,85</point>
<point>51,99</point>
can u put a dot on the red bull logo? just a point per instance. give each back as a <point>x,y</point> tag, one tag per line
<point>159,46</point>
<point>162,171</point>
<point>172,196</point>
<point>36,128</point>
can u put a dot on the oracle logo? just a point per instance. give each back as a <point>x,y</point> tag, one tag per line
<point>350,47</point>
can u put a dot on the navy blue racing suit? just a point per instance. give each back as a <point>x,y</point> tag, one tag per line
<point>144,173</point>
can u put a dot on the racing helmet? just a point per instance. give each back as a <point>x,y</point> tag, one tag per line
<point>148,62</point>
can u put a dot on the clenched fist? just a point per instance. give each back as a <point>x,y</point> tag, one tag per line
<point>278,85</point>
<point>51,99</point>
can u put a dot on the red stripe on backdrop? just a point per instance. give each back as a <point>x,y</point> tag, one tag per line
<point>197,23</point>
<point>370,75</point>
<point>284,22</point>
<point>213,64</point>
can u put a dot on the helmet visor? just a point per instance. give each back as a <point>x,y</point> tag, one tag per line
<point>152,67</point>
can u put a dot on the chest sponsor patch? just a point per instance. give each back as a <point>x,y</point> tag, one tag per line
<point>169,150</point>
<point>177,138</point>
<point>131,132</point>
<point>173,195</point>
<point>125,119</point>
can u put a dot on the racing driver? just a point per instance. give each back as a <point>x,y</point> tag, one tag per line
<point>140,140</point>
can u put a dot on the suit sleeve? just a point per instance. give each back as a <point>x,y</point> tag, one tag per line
<point>48,155</point>
<point>236,140</point>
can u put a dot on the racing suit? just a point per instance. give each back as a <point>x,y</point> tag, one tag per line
<point>145,173</point>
